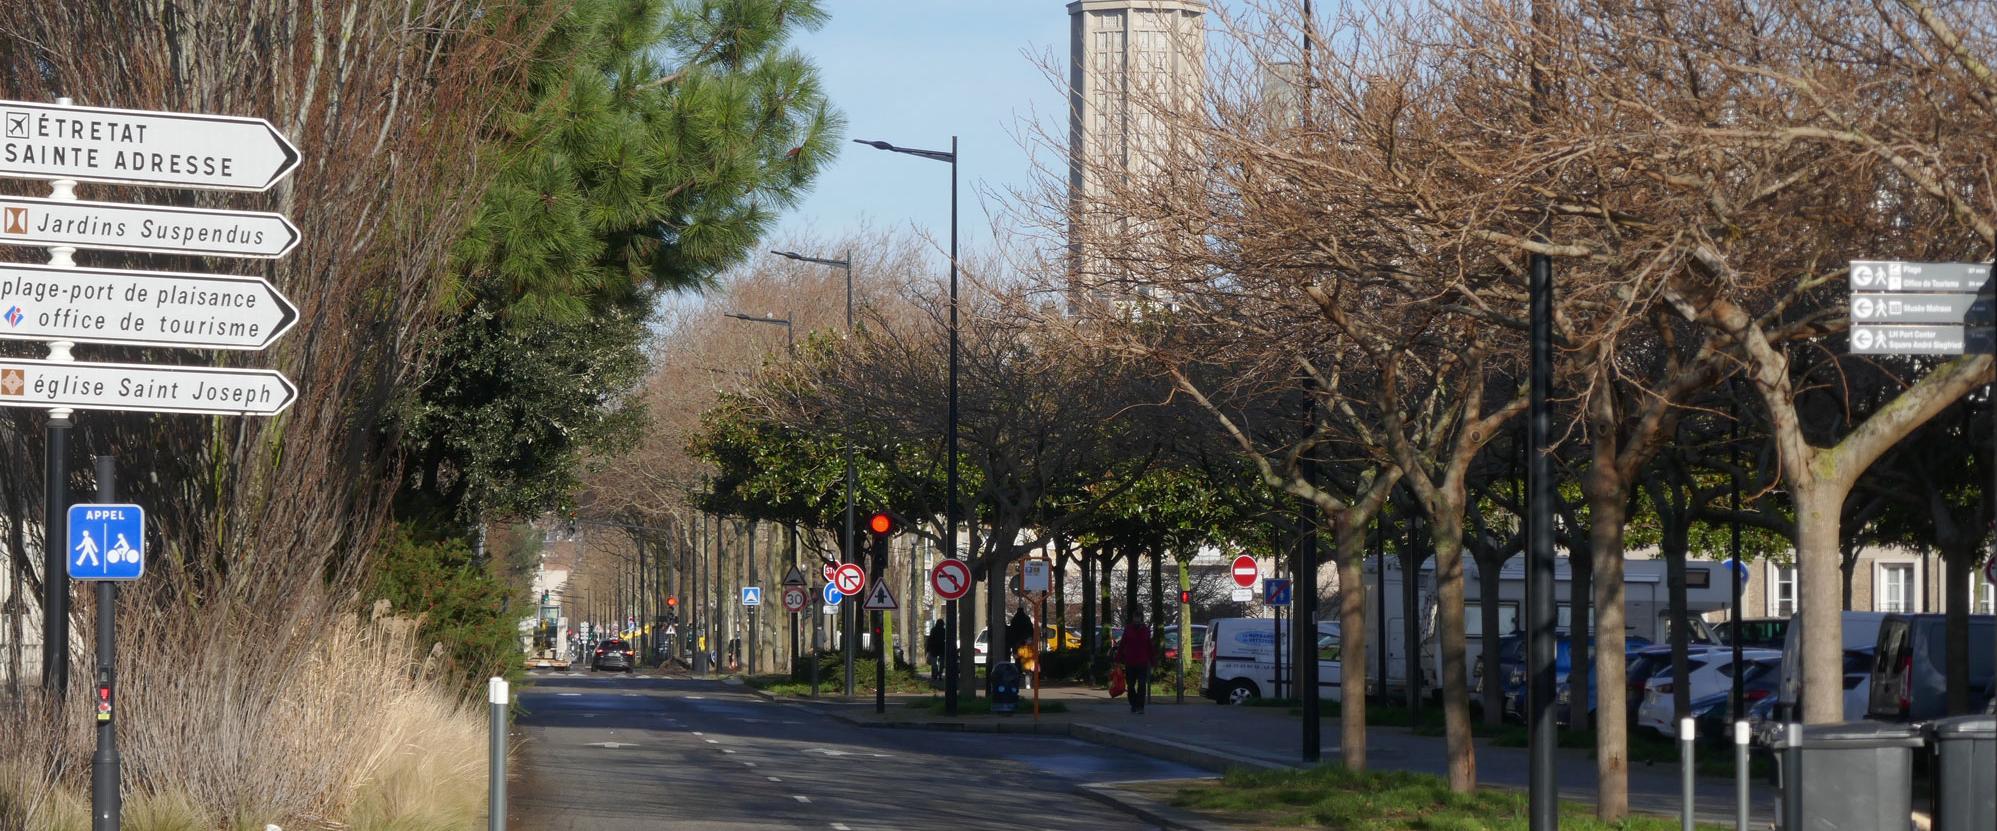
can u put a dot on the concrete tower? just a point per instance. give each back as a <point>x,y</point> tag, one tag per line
<point>1125,57</point>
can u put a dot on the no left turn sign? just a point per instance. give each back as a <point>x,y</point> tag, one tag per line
<point>951,579</point>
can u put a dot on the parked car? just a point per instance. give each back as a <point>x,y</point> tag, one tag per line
<point>1861,631</point>
<point>1756,633</point>
<point>1240,659</point>
<point>1563,663</point>
<point>1714,711</point>
<point>1909,668</point>
<point>1170,644</point>
<point>1068,638</point>
<point>1763,719</point>
<point>614,653</point>
<point>1708,672</point>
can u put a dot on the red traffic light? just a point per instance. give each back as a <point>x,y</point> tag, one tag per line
<point>1185,596</point>
<point>672,601</point>
<point>883,524</point>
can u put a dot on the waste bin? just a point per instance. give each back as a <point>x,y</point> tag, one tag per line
<point>1005,680</point>
<point>1857,776</point>
<point>1965,772</point>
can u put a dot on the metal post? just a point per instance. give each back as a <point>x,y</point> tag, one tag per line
<point>55,565</point>
<point>1740,775</point>
<point>1380,597</point>
<point>1544,810</point>
<point>881,653</point>
<point>495,809</point>
<point>1687,730</point>
<point>1738,569</point>
<point>105,801</point>
<point>1792,786</point>
<point>55,493</point>
<point>1303,593</point>
<point>718,635</point>
<point>750,537</point>
<point>951,509</point>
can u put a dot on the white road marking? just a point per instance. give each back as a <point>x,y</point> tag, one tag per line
<point>840,826</point>
<point>801,798</point>
<point>748,764</point>
<point>696,698</point>
<point>568,695</point>
<point>773,778</point>
<point>710,741</point>
<point>726,750</point>
<point>698,733</point>
<point>590,715</point>
<point>611,745</point>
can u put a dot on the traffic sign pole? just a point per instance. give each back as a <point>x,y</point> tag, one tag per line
<point>105,806</point>
<point>55,496</point>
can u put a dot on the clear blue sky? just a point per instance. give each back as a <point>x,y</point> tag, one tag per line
<point>913,72</point>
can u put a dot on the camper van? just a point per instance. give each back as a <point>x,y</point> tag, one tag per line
<point>1240,660</point>
<point>1646,601</point>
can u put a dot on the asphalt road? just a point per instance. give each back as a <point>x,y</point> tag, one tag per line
<point>603,752</point>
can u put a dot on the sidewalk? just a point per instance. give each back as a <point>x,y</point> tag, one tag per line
<point>1206,735</point>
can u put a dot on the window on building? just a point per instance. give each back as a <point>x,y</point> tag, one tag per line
<point>1473,618</point>
<point>1782,591</point>
<point>1896,588</point>
<point>1986,596</point>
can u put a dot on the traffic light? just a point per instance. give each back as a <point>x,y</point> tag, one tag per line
<point>672,600</point>
<point>883,524</point>
<point>1185,596</point>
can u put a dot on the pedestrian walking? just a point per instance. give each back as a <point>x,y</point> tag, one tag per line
<point>1133,651</point>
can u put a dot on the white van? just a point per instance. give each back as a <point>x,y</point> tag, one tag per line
<point>1240,659</point>
<point>1861,633</point>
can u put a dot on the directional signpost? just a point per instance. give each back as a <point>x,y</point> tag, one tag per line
<point>107,542</point>
<point>141,308</point>
<point>1903,308</point>
<point>141,388</point>
<point>64,305</point>
<point>154,229</point>
<point>139,147</point>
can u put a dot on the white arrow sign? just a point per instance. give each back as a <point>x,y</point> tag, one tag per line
<point>140,388</point>
<point>140,147</point>
<point>164,229</point>
<point>141,308</point>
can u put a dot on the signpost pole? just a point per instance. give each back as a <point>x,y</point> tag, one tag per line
<point>105,805</point>
<point>55,492</point>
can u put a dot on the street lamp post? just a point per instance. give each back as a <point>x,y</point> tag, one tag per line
<point>846,551</point>
<point>790,345</point>
<point>950,504</point>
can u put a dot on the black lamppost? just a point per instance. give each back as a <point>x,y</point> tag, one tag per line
<point>789,347</point>
<point>847,264</point>
<point>950,509</point>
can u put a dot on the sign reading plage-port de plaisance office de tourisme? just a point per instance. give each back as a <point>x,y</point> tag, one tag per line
<point>140,308</point>
<point>141,147</point>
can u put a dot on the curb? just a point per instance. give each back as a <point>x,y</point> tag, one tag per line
<point>1171,751</point>
<point>1146,809</point>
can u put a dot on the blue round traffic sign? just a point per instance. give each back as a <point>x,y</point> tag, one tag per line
<point>832,595</point>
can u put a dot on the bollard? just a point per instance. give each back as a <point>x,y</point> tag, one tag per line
<point>1740,775</point>
<point>495,809</point>
<point>1792,790</point>
<point>1686,733</point>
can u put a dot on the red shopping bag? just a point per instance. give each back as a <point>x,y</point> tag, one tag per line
<point>1116,682</point>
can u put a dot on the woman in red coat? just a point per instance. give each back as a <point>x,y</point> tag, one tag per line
<point>1133,651</point>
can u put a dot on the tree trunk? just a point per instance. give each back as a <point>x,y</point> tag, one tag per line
<point>1675,552</point>
<point>1411,560</point>
<point>967,645</point>
<point>1131,586</point>
<point>1580,640</point>
<point>1448,539</point>
<point>1488,583</point>
<point>1817,594</point>
<point>1059,614</point>
<point>1157,588</point>
<point>1352,643</point>
<point>1089,645</point>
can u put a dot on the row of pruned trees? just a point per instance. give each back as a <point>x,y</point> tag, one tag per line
<point>1699,173</point>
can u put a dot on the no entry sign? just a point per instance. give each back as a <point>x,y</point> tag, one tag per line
<point>1246,572</point>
